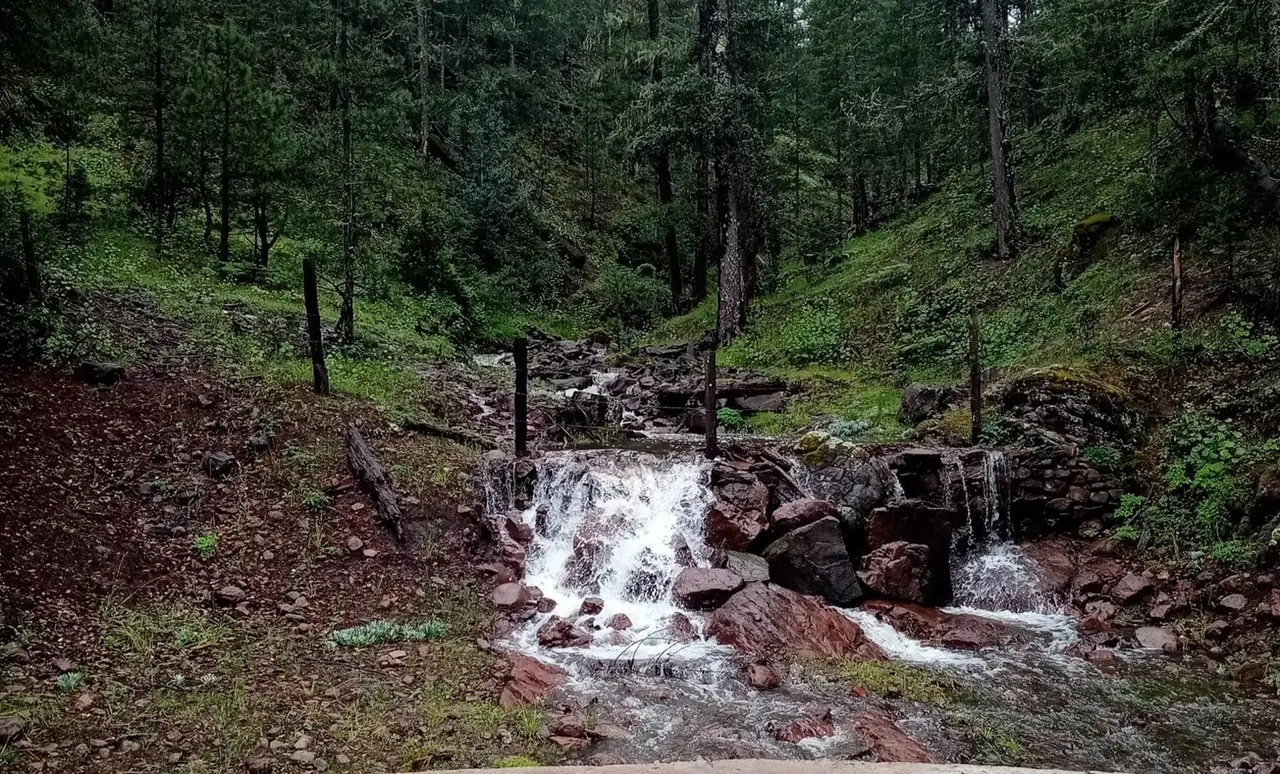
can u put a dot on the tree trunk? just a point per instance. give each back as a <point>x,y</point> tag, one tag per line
<point>224,160</point>
<point>662,168</point>
<point>159,106</point>
<point>731,316</point>
<point>262,231</point>
<point>30,261</point>
<point>346,330</point>
<point>705,241</point>
<point>1006,207</point>
<point>424,75</point>
<point>315,335</point>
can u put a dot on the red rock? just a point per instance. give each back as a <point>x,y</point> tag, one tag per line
<point>1156,638</point>
<point>798,514</point>
<point>955,630</point>
<point>806,728</point>
<point>1130,588</point>
<point>897,570</point>
<point>496,571</point>
<point>1055,559</point>
<point>591,606</point>
<point>762,677</point>
<point>732,528</point>
<point>767,619</point>
<point>529,682</point>
<point>680,628</point>
<point>546,605</point>
<point>572,744</point>
<point>618,622</point>
<point>511,596</point>
<point>571,724</point>
<point>517,529</point>
<point>1103,659</point>
<point>1233,602</point>
<point>740,488</point>
<point>511,555</point>
<point>559,633</point>
<point>1096,575</point>
<point>888,742</point>
<point>699,588</point>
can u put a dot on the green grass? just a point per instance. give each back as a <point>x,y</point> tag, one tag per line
<point>890,679</point>
<point>386,632</point>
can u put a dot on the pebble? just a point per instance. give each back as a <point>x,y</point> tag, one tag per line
<point>343,758</point>
<point>303,742</point>
<point>304,757</point>
<point>354,544</point>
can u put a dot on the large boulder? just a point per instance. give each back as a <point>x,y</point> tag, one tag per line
<point>855,486</point>
<point>899,570</point>
<point>814,560</point>
<point>953,630</point>
<point>703,588</point>
<point>736,484</point>
<point>732,528</point>
<point>752,568</point>
<point>800,513</point>
<point>912,521</point>
<point>765,619</point>
<point>529,682</point>
<point>922,401</point>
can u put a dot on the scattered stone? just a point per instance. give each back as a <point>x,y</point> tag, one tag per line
<point>511,596</point>
<point>1156,638</point>
<point>230,596</point>
<point>898,570</point>
<point>559,633</point>
<point>1251,672</point>
<point>64,664</point>
<point>99,374</point>
<point>355,544</point>
<point>206,401</point>
<point>698,588</point>
<point>546,605</point>
<point>762,677</point>
<point>571,744</point>
<point>305,757</point>
<point>765,619</point>
<point>11,730</point>
<point>258,444</point>
<point>887,741</point>
<point>84,701</point>
<point>304,741</point>
<point>1130,588</point>
<point>807,728</point>
<point>529,682</point>
<point>591,606</point>
<point>129,746</point>
<point>218,465</point>
<point>619,622</point>
<point>1233,602</point>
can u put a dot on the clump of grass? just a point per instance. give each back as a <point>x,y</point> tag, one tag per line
<point>903,681</point>
<point>315,501</point>
<point>205,545</point>
<point>68,682</point>
<point>385,632</point>
<point>515,762</point>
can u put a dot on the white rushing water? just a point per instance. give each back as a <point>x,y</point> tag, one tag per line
<point>611,527</point>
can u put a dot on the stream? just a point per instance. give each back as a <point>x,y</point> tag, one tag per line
<point>1029,704</point>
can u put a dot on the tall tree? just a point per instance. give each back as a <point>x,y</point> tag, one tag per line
<point>994,22</point>
<point>662,169</point>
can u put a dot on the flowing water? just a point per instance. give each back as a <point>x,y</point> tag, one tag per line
<point>610,525</point>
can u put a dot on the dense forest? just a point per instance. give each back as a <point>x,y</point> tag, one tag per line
<point>612,161</point>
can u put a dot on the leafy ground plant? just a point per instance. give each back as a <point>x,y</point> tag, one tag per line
<point>384,632</point>
<point>205,545</point>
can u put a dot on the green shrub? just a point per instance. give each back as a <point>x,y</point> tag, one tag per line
<point>627,298</point>
<point>67,682</point>
<point>515,762</point>
<point>730,418</point>
<point>1105,457</point>
<point>1235,554</point>
<point>205,545</point>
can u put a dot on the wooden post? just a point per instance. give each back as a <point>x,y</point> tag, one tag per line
<point>521,353</point>
<point>319,374</point>
<point>1175,290</point>
<point>709,405</point>
<point>975,377</point>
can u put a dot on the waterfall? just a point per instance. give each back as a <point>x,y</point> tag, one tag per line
<point>615,525</point>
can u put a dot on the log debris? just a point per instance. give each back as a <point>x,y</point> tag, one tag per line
<point>374,480</point>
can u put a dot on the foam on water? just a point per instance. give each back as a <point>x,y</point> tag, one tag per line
<point>903,648</point>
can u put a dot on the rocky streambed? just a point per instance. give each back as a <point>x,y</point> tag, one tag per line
<point>865,603</point>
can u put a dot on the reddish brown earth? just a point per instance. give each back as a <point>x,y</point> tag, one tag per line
<point>101,500</point>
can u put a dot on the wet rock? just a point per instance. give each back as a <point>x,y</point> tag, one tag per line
<point>698,588</point>
<point>258,444</point>
<point>773,402</point>
<point>559,633</point>
<point>99,373</point>
<point>1233,602</point>
<point>732,528</point>
<point>230,596</point>
<point>1096,576</point>
<point>752,568</point>
<point>618,622</point>
<point>591,606</point>
<point>511,555</point>
<point>807,728</point>
<point>1130,588</point>
<point>681,629</point>
<point>765,619</point>
<point>219,465</point>
<point>800,513</point>
<point>529,682</point>
<point>856,487</point>
<point>1105,660</point>
<point>921,402</point>
<point>546,605</point>
<point>954,630</point>
<point>1055,560</point>
<point>517,528</point>
<point>683,554</point>
<point>898,571</point>
<point>511,596</point>
<point>888,742</point>
<point>762,677</point>
<point>11,730</point>
<point>814,560</point>
<point>1156,638</point>
<point>1247,761</point>
<point>912,521</point>
<point>570,724</point>
<point>569,743</point>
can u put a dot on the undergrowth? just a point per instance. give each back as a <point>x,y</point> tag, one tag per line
<point>386,632</point>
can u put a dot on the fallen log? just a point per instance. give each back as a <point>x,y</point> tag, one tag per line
<point>427,427</point>
<point>374,480</point>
